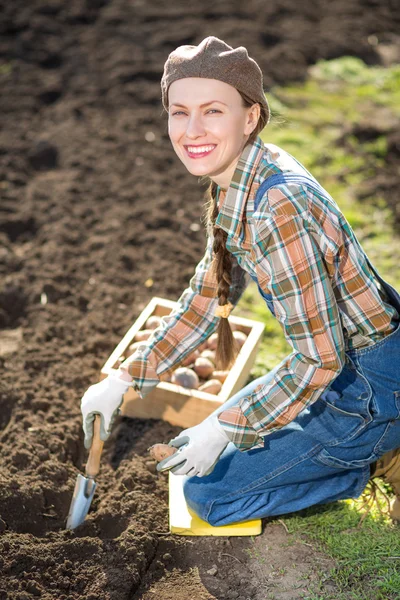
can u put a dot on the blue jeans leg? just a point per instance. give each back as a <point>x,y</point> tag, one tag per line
<point>321,456</point>
<point>235,491</point>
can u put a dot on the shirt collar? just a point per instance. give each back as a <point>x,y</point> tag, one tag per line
<point>242,189</point>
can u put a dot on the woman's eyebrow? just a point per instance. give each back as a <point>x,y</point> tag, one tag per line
<point>201,105</point>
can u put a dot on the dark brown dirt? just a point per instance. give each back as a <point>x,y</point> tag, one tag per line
<point>93,204</point>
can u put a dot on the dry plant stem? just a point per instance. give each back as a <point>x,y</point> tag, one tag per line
<point>283,525</point>
<point>231,556</point>
<point>370,496</point>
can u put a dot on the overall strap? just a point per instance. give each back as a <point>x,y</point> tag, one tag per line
<point>285,178</point>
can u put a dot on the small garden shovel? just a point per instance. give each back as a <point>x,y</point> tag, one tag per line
<point>85,486</point>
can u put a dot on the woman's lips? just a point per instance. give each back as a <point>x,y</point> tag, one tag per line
<point>198,154</point>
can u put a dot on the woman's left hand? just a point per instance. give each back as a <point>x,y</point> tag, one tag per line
<point>199,449</point>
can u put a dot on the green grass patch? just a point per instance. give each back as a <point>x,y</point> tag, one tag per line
<point>316,122</point>
<point>365,547</point>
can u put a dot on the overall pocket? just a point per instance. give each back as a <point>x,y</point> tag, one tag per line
<point>349,399</point>
<point>380,366</point>
<point>390,437</point>
<point>342,412</point>
<point>348,404</point>
<point>369,444</point>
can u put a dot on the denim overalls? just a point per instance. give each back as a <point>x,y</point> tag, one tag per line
<point>325,453</point>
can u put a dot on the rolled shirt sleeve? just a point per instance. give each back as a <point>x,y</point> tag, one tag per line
<point>186,327</point>
<point>291,266</point>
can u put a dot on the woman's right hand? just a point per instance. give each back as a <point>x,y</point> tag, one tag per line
<point>103,398</point>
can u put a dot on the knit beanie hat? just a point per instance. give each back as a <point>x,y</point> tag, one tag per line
<point>214,59</point>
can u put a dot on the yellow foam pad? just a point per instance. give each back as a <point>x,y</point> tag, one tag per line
<point>183,521</point>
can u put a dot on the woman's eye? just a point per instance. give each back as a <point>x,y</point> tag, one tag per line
<point>180,112</point>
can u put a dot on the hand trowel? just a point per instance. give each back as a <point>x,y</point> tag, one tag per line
<point>85,486</point>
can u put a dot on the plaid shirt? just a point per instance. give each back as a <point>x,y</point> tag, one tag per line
<point>299,248</point>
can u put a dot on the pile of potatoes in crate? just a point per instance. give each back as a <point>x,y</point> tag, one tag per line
<point>198,370</point>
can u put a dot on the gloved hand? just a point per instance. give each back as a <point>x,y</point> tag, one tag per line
<point>199,449</point>
<point>103,398</point>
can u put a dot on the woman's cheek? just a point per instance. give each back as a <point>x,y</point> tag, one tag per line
<point>172,127</point>
<point>171,131</point>
<point>223,126</point>
<point>176,131</point>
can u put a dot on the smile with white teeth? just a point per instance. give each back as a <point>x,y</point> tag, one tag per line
<point>200,150</point>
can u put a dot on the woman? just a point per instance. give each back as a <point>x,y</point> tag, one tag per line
<point>315,428</point>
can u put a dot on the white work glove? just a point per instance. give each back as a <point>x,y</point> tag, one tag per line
<point>103,398</point>
<point>199,449</point>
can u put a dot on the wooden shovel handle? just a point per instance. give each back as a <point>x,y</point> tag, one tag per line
<point>93,462</point>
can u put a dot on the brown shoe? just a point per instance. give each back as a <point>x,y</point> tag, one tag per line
<point>395,509</point>
<point>388,467</point>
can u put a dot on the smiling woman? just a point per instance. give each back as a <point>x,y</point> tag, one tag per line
<point>209,135</point>
<point>315,428</point>
<point>225,108</point>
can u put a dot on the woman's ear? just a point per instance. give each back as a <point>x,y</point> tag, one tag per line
<point>252,118</point>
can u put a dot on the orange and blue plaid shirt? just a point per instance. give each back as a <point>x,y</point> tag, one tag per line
<point>301,250</point>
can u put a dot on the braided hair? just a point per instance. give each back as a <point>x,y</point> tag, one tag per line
<point>227,349</point>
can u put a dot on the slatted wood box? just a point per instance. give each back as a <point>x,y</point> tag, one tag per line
<point>174,403</point>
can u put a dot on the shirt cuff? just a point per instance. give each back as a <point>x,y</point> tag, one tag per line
<point>142,366</point>
<point>238,429</point>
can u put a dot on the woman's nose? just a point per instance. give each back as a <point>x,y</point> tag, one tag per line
<point>195,127</point>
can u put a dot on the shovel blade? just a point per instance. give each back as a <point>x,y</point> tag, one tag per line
<point>81,501</point>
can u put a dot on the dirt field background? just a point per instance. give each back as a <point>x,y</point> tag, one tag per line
<point>94,202</point>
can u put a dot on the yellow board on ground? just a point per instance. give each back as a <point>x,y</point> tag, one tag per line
<point>182,521</point>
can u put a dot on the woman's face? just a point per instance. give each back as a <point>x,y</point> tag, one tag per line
<point>208,126</point>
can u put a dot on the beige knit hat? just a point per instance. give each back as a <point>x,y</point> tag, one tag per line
<point>214,59</point>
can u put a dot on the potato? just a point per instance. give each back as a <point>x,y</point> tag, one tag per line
<point>210,354</point>
<point>240,337</point>
<point>203,346</point>
<point>213,386</point>
<point>190,359</point>
<point>212,341</point>
<point>143,334</point>
<point>203,367</point>
<point>186,378</point>
<point>153,322</point>
<point>220,375</point>
<point>160,451</point>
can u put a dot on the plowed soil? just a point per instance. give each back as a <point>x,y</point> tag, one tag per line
<point>94,203</point>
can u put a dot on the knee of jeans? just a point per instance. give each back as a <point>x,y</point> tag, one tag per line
<point>199,504</point>
<point>196,496</point>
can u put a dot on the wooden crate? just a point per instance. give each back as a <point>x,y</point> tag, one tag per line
<point>174,403</point>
